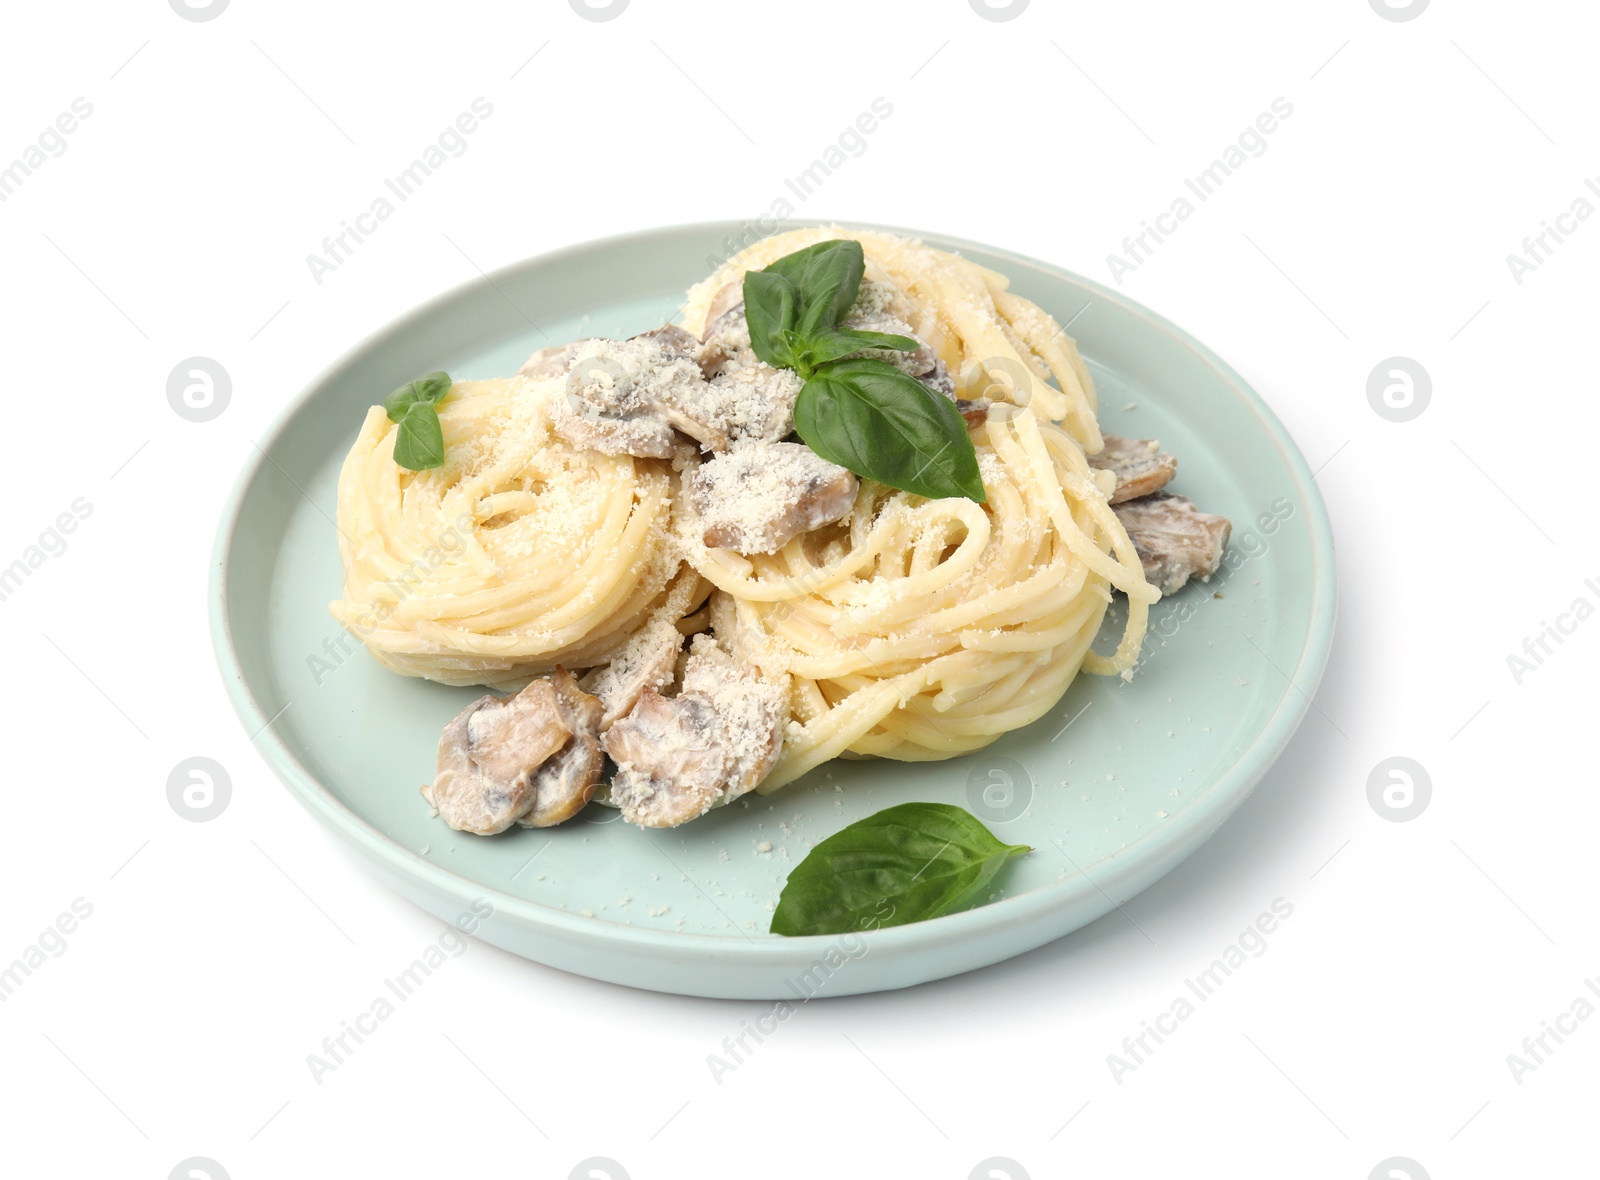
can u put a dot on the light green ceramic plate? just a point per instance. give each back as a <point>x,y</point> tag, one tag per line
<point>1112,790</point>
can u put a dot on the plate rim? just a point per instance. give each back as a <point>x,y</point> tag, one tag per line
<point>1162,848</point>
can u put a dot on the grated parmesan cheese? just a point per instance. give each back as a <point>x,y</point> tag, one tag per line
<point>757,496</point>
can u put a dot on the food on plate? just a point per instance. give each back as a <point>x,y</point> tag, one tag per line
<point>532,759</point>
<point>521,553</point>
<point>757,497</point>
<point>1175,540</point>
<point>855,502</point>
<point>677,757</point>
<point>1140,465</point>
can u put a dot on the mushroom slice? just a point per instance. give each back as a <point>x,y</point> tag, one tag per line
<point>697,417</point>
<point>725,343</point>
<point>728,329</point>
<point>488,754</point>
<point>641,436</point>
<point>648,659</point>
<point>751,711</point>
<point>753,401</point>
<point>624,397</point>
<point>566,781</point>
<point>550,362</point>
<point>749,398</point>
<point>882,307</point>
<point>679,757</point>
<point>940,381</point>
<point>1174,539</point>
<point>682,342</point>
<point>679,342</point>
<point>729,297</point>
<point>974,412</point>
<point>758,496</point>
<point>670,765</point>
<point>1140,465</point>
<point>627,397</point>
<point>673,339</point>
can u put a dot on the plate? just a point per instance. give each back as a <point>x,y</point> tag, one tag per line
<point>1112,789</point>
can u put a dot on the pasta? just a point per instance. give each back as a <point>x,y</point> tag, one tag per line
<point>519,555</point>
<point>913,629</point>
<point>928,628</point>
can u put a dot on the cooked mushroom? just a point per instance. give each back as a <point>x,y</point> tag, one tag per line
<point>753,402</point>
<point>678,757</point>
<point>628,397</point>
<point>684,343</point>
<point>748,398</point>
<point>533,758</point>
<point>881,307</point>
<point>729,297</point>
<point>942,383</point>
<point>647,660</point>
<point>697,417</point>
<point>725,344</point>
<point>566,781</point>
<point>752,710</point>
<point>625,397</point>
<point>757,496</point>
<point>974,412</point>
<point>1175,540</point>
<point>550,362</point>
<point>670,765</point>
<point>641,435</point>
<point>672,338</point>
<point>1140,465</point>
<point>488,755</point>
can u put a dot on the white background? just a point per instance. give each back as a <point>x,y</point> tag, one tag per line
<point>1419,954</point>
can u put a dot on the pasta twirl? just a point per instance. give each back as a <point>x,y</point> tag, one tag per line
<point>928,628</point>
<point>519,554</point>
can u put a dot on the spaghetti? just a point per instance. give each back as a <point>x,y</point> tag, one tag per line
<point>518,555</point>
<point>923,629</point>
<point>913,629</point>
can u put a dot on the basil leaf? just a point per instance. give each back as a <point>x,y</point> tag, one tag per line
<point>419,444</point>
<point>828,278</point>
<point>917,860</point>
<point>841,342</point>
<point>870,417</point>
<point>772,309</point>
<point>428,390</point>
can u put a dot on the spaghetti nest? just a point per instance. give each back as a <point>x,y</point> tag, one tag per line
<point>519,554</point>
<point>921,629</point>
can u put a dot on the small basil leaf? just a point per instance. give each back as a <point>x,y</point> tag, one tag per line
<point>419,443</point>
<point>772,309</point>
<point>828,278</point>
<point>429,390</point>
<point>905,864</point>
<point>841,342</point>
<point>870,417</point>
